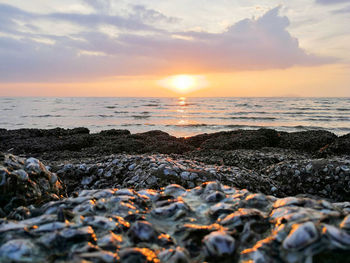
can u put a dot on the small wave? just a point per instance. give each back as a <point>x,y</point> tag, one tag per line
<point>190,125</point>
<point>151,105</point>
<point>110,107</point>
<point>140,116</point>
<point>105,116</point>
<point>253,118</point>
<point>303,127</point>
<point>248,112</point>
<point>121,112</point>
<point>343,109</point>
<point>237,126</point>
<point>242,105</point>
<point>328,118</point>
<point>43,116</point>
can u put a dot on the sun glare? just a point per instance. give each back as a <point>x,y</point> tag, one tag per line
<point>184,83</point>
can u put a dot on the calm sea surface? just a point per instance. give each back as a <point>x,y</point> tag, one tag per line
<point>177,116</point>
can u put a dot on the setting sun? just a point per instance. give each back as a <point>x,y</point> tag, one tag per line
<point>184,83</point>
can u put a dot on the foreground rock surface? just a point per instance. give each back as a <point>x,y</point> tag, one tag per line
<point>211,222</point>
<point>24,182</point>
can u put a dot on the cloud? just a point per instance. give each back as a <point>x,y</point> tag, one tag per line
<point>344,10</point>
<point>331,2</point>
<point>149,15</point>
<point>250,44</point>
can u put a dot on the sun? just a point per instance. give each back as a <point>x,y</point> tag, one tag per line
<point>183,83</point>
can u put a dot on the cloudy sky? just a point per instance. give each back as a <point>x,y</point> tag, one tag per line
<point>125,48</point>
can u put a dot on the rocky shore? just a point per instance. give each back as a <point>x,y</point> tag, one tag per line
<point>237,196</point>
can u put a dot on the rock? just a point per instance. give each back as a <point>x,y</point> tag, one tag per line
<point>176,224</point>
<point>218,244</point>
<point>26,181</point>
<point>242,139</point>
<point>309,141</point>
<point>339,146</point>
<point>301,236</point>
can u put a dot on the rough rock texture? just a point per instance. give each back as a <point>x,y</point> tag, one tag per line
<point>339,146</point>
<point>62,144</point>
<point>154,171</point>
<point>211,223</point>
<point>24,182</point>
<point>238,139</point>
<point>309,141</point>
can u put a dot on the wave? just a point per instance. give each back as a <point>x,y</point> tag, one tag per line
<point>151,105</point>
<point>253,118</point>
<point>190,125</point>
<point>105,116</point>
<point>140,116</point>
<point>343,109</point>
<point>43,116</point>
<point>303,127</point>
<point>248,112</point>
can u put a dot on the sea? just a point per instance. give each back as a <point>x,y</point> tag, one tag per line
<point>180,116</point>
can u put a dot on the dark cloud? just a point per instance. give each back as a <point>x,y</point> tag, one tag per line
<point>249,44</point>
<point>331,2</point>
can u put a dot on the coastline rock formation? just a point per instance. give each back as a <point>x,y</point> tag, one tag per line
<point>239,196</point>
<point>63,144</point>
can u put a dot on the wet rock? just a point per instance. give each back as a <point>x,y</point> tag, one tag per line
<point>19,250</point>
<point>240,139</point>
<point>142,231</point>
<point>306,140</point>
<point>26,181</point>
<point>328,178</point>
<point>339,146</point>
<point>177,255</point>
<point>131,255</point>
<point>218,244</point>
<point>301,236</point>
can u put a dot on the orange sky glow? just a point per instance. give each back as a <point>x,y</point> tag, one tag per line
<point>289,82</point>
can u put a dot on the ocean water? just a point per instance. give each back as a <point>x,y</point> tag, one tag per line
<point>177,116</point>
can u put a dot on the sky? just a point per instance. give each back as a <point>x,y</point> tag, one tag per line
<point>131,48</point>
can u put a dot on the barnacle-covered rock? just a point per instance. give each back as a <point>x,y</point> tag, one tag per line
<point>218,244</point>
<point>301,236</point>
<point>26,181</point>
<point>209,223</point>
<point>176,255</point>
<point>19,250</point>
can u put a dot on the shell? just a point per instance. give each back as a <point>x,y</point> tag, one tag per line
<point>301,236</point>
<point>218,244</point>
